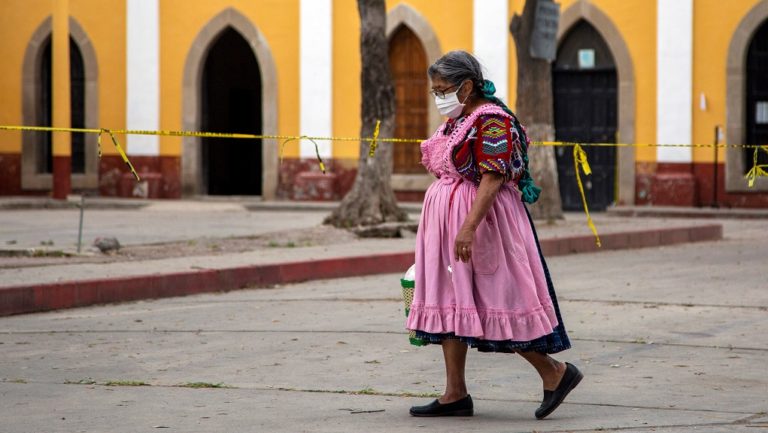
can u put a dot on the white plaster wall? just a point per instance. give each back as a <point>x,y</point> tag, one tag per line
<point>491,42</point>
<point>143,75</point>
<point>674,99</point>
<point>315,75</point>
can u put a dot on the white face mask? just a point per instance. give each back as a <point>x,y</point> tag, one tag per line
<point>450,105</point>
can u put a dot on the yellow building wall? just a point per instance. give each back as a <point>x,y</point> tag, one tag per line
<point>346,78</point>
<point>277,20</point>
<point>710,54</point>
<point>17,24</point>
<point>451,21</point>
<point>103,22</point>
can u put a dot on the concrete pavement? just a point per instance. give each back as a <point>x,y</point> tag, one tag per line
<point>43,283</point>
<point>671,339</point>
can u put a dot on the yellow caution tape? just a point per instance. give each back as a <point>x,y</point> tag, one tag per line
<point>757,170</point>
<point>317,153</point>
<point>374,143</point>
<point>172,133</point>
<point>579,155</point>
<point>98,144</point>
<point>303,137</point>
<point>120,151</point>
<point>692,145</point>
<point>580,159</point>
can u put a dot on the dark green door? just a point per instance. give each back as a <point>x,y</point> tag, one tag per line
<point>584,86</point>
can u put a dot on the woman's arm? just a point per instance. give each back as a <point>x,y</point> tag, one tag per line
<point>486,194</point>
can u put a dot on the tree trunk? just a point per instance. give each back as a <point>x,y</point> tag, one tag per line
<point>371,199</point>
<point>535,108</point>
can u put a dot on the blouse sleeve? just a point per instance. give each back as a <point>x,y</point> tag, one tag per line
<point>497,147</point>
<point>464,157</point>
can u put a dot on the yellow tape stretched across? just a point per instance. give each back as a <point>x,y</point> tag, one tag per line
<point>174,133</point>
<point>579,155</point>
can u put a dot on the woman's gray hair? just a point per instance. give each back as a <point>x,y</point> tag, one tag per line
<point>456,67</point>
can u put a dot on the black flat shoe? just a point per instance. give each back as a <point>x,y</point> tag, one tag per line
<point>461,407</point>
<point>552,399</point>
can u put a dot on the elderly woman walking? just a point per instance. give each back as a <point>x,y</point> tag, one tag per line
<point>481,280</point>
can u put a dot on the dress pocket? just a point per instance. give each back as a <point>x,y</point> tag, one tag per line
<point>485,251</point>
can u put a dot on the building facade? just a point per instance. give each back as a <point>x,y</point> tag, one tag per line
<point>633,72</point>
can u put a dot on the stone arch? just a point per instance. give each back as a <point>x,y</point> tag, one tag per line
<point>191,106</point>
<point>736,77</point>
<point>584,10</point>
<point>406,15</point>
<point>30,88</point>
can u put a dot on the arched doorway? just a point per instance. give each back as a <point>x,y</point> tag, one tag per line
<point>585,94</point>
<point>757,95</point>
<point>231,102</point>
<point>408,63</point>
<point>44,105</point>
<point>36,94</point>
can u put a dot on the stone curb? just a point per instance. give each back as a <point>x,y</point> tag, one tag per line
<point>107,203</point>
<point>686,212</point>
<point>71,294</point>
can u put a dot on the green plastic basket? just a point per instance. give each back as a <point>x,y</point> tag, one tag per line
<point>408,287</point>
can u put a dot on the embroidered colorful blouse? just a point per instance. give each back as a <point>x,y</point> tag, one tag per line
<point>493,144</point>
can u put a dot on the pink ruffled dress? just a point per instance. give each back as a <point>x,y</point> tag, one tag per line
<point>502,300</point>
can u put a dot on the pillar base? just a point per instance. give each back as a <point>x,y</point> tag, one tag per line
<point>62,177</point>
<point>315,186</point>
<point>674,189</point>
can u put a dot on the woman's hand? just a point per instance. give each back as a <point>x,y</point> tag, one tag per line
<point>463,244</point>
<point>486,194</point>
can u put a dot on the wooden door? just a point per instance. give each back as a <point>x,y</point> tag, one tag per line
<point>408,63</point>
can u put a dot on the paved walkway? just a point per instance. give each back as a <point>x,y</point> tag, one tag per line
<point>50,283</point>
<point>671,339</point>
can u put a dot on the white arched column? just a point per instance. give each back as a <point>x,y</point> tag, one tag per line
<point>143,75</point>
<point>490,36</point>
<point>674,75</point>
<point>316,69</point>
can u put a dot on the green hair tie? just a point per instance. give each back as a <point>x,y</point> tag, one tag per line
<point>488,88</point>
<point>528,190</point>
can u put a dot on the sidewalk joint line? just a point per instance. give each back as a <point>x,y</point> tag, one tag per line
<point>341,331</point>
<point>369,391</point>
<point>700,346</point>
<point>513,400</point>
<point>665,304</point>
